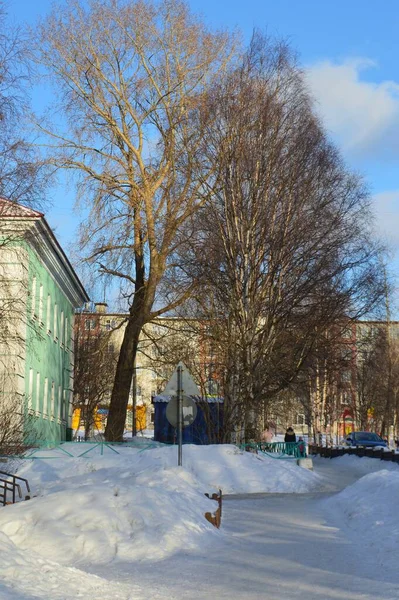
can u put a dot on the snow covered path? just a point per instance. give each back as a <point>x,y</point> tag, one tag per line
<point>130,526</point>
<point>273,546</point>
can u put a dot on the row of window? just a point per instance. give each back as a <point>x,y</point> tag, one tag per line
<point>91,324</point>
<point>58,325</point>
<point>50,407</point>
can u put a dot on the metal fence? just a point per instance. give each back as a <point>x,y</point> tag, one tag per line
<point>276,449</point>
<point>360,451</point>
<point>51,450</point>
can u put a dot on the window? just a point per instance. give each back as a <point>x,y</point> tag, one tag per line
<point>66,340</point>
<point>152,417</point>
<point>63,407</point>
<point>110,324</point>
<point>55,330</point>
<point>33,301</point>
<point>48,313</point>
<point>37,390</point>
<point>346,353</point>
<point>110,348</point>
<point>30,393</point>
<point>300,419</point>
<point>62,328</point>
<point>90,324</point>
<point>347,333</point>
<point>41,304</point>
<point>346,398</point>
<point>52,411</point>
<point>59,410</point>
<point>45,397</point>
<point>346,376</point>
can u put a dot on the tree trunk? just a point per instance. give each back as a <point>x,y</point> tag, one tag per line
<point>123,379</point>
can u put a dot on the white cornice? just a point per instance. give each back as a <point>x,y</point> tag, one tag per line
<point>37,233</point>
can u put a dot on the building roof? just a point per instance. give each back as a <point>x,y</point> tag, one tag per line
<point>13,210</point>
<point>208,399</point>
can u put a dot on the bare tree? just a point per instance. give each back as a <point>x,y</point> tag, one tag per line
<point>288,248</point>
<point>131,79</point>
<point>22,179</point>
<point>22,175</point>
<point>377,377</point>
<point>95,363</point>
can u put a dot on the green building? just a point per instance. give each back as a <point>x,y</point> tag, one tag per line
<point>39,294</point>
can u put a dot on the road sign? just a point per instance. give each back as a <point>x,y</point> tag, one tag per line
<point>181,410</point>
<point>189,387</point>
<point>189,409</point>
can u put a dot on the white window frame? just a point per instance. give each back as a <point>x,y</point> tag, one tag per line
<point>37,390</point>
<point>30,389</point>
<point>52,407</point>
<point>33,301</point>
<point>62,329</point>
<point>41,304</point>
<point>55,330</point>
<point>66,339</point>
<point>48,313</point>
<point>59,403</point>
<point>45,397</point>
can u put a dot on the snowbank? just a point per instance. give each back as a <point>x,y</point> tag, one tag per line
<point>369,509</point>
<point>135,505</point>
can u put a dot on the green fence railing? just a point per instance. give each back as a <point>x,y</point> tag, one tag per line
<point>277,449</point>
<point>50,449</point>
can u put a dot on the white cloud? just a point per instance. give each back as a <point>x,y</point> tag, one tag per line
<point>362,115</point>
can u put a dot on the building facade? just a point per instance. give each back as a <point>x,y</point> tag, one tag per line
<point>40,294</point>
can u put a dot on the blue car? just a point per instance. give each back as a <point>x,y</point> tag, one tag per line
<point>366,439</point>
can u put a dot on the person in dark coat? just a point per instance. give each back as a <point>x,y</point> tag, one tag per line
<point>290,435</point>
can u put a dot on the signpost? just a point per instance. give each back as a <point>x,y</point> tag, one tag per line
<point>181,410</point>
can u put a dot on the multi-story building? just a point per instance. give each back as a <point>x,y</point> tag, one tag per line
<point>163,344</point>
<point>40,292</point>
<point>327,400</point>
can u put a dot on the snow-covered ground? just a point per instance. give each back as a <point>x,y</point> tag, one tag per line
<point>131,525</point>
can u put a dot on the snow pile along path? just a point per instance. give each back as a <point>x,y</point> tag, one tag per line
<point>136,505</point>
<point>368,511</point>
<point>132,509</point>
<point>26,576</point>
<point>108,515</point>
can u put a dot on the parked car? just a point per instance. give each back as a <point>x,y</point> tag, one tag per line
<point>365,438</point>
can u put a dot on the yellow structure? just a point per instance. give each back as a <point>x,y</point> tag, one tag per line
<point>100,418</point>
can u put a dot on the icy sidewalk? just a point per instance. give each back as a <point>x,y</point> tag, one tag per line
<point>278,546</point>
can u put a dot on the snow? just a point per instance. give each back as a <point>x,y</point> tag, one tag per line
<point>131,525</point>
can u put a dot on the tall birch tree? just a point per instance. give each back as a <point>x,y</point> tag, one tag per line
<point>288,249</point>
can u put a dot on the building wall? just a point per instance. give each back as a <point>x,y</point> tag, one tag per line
<point>14,277</point>
<point>39,292</point>
<point>49,353</point>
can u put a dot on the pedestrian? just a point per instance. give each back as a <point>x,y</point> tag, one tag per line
<point>290,439</point>
<point>265,438</point>
<point>301,447</point>
<point>290,435</point>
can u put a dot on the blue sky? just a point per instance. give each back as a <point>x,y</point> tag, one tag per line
<point>349,49</point>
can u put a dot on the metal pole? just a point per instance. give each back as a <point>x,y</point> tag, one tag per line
<point>180,414</point>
